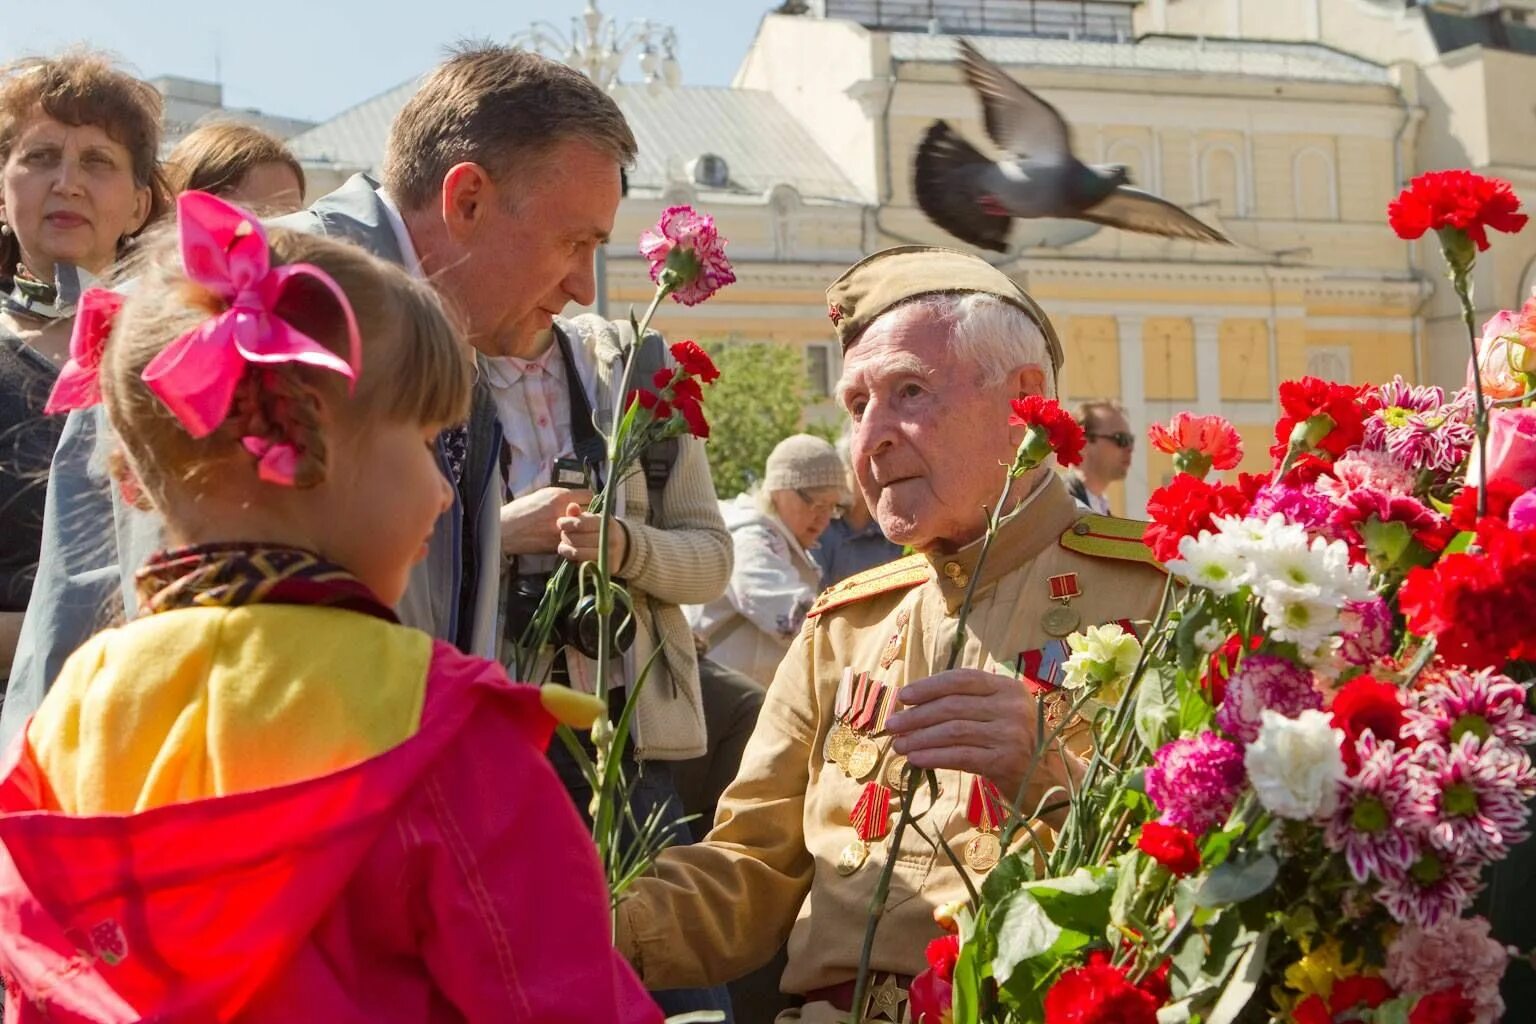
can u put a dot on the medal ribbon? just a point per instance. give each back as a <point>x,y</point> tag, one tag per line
<point>860,689</point>
<point>867,710</point>
<point>844,694</point>
<point>871,815</point>
<point>985,807</point>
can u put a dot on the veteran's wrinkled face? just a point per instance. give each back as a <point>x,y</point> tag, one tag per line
<point>930,439</point>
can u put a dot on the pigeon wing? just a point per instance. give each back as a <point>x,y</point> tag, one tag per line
<point>948,184</point>
<point>1018,121</point>
<point>1134,210</point>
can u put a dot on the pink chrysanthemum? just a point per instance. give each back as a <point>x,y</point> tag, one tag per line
<point>1370,638</point>
<point>1472,797</point>
<point>1485,704</point>
<point>1458,954</point>
<point>1194,781</point>
<point>1434,888</point>
<point>687,253</point>
<point>1368,826</point>
<point>1264,682</point>
<point>1421,430</point>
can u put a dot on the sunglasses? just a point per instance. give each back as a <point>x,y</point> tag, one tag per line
<point>1120,437</point>
<point>821,508</point>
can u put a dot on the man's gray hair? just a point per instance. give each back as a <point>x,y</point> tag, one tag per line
<point>996,336</point>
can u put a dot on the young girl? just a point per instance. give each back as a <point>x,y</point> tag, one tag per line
<point>263,799</point>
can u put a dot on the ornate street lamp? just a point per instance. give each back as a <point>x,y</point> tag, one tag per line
<point>597,46</point>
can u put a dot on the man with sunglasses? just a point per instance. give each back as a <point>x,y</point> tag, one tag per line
<point>1106,456</point>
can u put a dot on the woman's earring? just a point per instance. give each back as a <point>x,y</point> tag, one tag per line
<point>5,229</point>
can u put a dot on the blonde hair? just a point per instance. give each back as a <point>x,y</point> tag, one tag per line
<point>415,367</point>
<point>217,156</point>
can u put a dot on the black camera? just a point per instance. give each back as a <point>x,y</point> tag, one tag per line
<point>576,623</point>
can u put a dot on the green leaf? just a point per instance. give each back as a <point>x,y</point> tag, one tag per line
<point>1207,955</point>
<point>1125,888</point>
<point>1180,1012</point>
<point>1240,990</point>
<point>1011,872</point>
<point>1195,712</point>
<point>1079,901</point>
<point>1236,881</point>
<point>966,993</point>
<point>1157,713</point>
<point>1460,542</point>
<point>1395,1011</point>
<point>1024,931</point>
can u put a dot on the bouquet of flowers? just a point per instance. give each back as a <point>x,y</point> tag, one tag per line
<point>688,263</point>
<point>1297,778</point>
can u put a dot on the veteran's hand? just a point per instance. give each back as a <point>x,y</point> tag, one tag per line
<point>579,533</point>
<point>967,720</point>
<point>530,525</point>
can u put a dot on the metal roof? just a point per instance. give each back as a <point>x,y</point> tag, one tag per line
<point>761,142</point>
<point>1250,59</point>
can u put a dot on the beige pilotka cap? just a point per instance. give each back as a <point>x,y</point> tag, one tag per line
<point>878,282</point>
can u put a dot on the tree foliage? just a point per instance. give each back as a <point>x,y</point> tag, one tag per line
<point>758,401</point>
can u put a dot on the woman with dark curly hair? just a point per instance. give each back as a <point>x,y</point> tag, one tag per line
<point>79,178</point>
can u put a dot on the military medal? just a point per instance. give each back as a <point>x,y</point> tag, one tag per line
<point>892,649</point>
<point>870,818</point>
<point>985,811</point>
<point>1063,619</point>
<point>840,739</point>
<point>896,773</point>
<point>863,758</point>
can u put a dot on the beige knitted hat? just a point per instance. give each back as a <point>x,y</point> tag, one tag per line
<point>804,462</point>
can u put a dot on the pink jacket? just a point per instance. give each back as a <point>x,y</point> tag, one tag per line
<point>448,879</point>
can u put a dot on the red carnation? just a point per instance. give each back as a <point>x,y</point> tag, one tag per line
<point>1185,506</point>
<point>1458,200</point>
<point>931,994</point>
<point>1223,662</point>
<point>1063,434</point>
<point>650,401</point>
<point>1171,846</point>
<point>1367,705</point>
<point>1501,495</point>
<point>1447,1006</point>
<point>693,415</point>
<point>1098,994</point>
<point>695,361</point>
<point>1304,401</point>
<point>1477,606</point>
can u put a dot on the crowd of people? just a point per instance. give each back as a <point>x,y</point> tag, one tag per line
<point>280,488</point>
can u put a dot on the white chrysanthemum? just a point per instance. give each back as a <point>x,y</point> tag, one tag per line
<point>1212,561</point>
<point>1210,636</point>
<point>1295,766</point>
<point>1103,659</point>
<point>1249,537</point>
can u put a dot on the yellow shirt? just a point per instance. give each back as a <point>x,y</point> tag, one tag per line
<point>713,911</point>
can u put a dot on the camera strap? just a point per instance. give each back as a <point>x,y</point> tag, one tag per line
<point>586,444</point>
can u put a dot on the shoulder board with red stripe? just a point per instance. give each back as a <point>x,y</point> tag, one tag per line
<point>882,579</point>
<point>1109,537</point>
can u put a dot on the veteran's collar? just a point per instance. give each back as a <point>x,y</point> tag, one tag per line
<point>1028,530</point>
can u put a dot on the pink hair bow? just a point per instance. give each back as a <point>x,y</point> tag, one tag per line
<point>224,249</point>
<point>79,383</point>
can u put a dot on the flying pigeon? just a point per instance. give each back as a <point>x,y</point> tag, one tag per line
<point>976,199</point>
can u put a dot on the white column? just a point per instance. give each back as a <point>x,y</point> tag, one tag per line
<point>1133,398</point>
<point>1207,364</point>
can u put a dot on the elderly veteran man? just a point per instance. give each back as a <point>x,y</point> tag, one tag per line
<point>937,343</point>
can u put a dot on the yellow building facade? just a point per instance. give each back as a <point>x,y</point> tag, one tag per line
<point>1290,145</point>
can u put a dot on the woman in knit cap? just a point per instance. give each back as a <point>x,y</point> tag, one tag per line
<point>775,579</point>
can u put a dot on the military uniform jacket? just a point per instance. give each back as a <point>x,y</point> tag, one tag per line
<point>715,910</point>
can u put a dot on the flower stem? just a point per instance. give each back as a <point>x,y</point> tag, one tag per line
<point>1461,280</point>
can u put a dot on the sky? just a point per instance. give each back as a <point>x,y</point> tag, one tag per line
<point>315,58</point>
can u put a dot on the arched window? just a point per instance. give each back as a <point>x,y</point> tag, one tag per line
<point>1221,180</point>
<point>1314,188</point>
<point>1133,157</point>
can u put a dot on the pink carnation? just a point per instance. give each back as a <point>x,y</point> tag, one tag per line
<point>1264,682</point>
<point>1306,506</point>
<point>1458,953</point>
<point>687,254</point>
<point>1378,471</point>
<point>1195,781</point>
<point>1367,635</point>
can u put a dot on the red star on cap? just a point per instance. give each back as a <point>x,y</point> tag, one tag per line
<point>834,313</point>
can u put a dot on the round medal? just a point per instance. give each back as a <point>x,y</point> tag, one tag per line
<point>853,857</point>
<point>983,852</point>
<point>1061,620</point>
<point>864,757</point>
<point>896,773</point>
<point>834,745</point>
